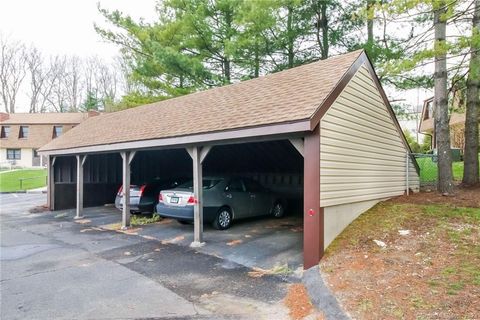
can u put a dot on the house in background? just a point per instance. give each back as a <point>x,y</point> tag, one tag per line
<point>457,124</point>
<point>23,133</point>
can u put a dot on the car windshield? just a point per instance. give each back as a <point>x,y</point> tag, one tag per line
<point>207,184</point>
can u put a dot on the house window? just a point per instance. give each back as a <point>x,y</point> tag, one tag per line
<point>5,132</point>
<point>429,111</point>
<point>14,154</point>
<point>57,131</point>
<point>35,153</point>
<point>23,132</point>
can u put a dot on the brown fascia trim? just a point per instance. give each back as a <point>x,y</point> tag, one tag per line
<point>252,134</point>
<point>424,108</point>
<point>332,97</point>
<point>342,83</point>
<point>372,72</point>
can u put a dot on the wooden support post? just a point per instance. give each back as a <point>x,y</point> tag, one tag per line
<point>313,221</point>
<point>80,162</point>
<point>127,158</point>
<point>198,155</point>
<point>51,182</point>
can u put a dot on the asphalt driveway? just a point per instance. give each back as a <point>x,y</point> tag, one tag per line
<point>255,243</point>
<point>52,267</point>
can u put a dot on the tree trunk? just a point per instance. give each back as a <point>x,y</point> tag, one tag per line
<point>290,52</point>
<point>12,105</point>
<point>257,61</point>
<point>370,13</point>
<point>229,31</point>
<point>324,26</point>
<point>470,169</point>
<point>181,85</point>
<point>445,184</point>
<point>226,68</point>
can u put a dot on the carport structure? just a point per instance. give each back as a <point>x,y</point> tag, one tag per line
<point>334,113</point>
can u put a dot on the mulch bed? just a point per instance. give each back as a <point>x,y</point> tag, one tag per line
<point>432,272</point>
<point>462,197</point>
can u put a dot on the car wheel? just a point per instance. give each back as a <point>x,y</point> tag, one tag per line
<point>183,221</point>
<point>223,220</point>
<point>278,210</point>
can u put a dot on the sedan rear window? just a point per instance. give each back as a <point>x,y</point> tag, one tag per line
<point>207,184</point>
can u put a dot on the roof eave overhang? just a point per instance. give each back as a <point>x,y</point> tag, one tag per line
<point>328,102</point>
<point>333,95</point>
<point>259,133</point>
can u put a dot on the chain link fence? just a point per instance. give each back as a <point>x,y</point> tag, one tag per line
<point>428,164</point>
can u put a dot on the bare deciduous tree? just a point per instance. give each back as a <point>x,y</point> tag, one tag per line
<point>59,83</point>
<point>72,82</point>
<point>12,71</point>
<point>107,83</point>
<point>40,80</point>
<point>90,70</point>
<point>57,97</point>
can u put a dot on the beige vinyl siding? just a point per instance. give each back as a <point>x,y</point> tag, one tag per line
<point>362,154</point>
<point>26,156</point>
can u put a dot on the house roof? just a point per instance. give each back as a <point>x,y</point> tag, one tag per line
<point>427,125</point>
<point>38,135</point>
<point>44,118</point>
<point>284,97</point>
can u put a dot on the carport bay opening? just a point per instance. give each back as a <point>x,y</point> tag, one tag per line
<point>276,165</point>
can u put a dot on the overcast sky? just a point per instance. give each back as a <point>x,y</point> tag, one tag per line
<point>65,26</point>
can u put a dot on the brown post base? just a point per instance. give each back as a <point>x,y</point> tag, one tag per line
<point>313,217</point>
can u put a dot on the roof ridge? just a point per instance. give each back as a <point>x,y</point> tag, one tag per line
<point>260,78</point>
<point>288,96</point>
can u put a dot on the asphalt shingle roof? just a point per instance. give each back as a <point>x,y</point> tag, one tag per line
<point>282,97</point>
<point>45,118</point>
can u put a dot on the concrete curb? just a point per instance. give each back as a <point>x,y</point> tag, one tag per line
<point>12,192</point>
<point>36,191</point>
<point>25,191</point>
<point>321,296</point>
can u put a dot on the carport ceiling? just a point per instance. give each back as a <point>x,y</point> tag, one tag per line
<point>255,157</point>
<point>271,156</point>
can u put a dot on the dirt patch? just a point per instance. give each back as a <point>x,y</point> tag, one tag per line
<point>234,242</point>
<point>130,231</point>
<point>462,197</point>
<point>173,240</point>
<point>427,268</point>
<point>112,226</point>
<point>298,302</point>
<point>83,221</point>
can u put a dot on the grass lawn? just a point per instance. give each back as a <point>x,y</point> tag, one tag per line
<point>428,170</point>
<point>10,181</point>
<point>428,269</point>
